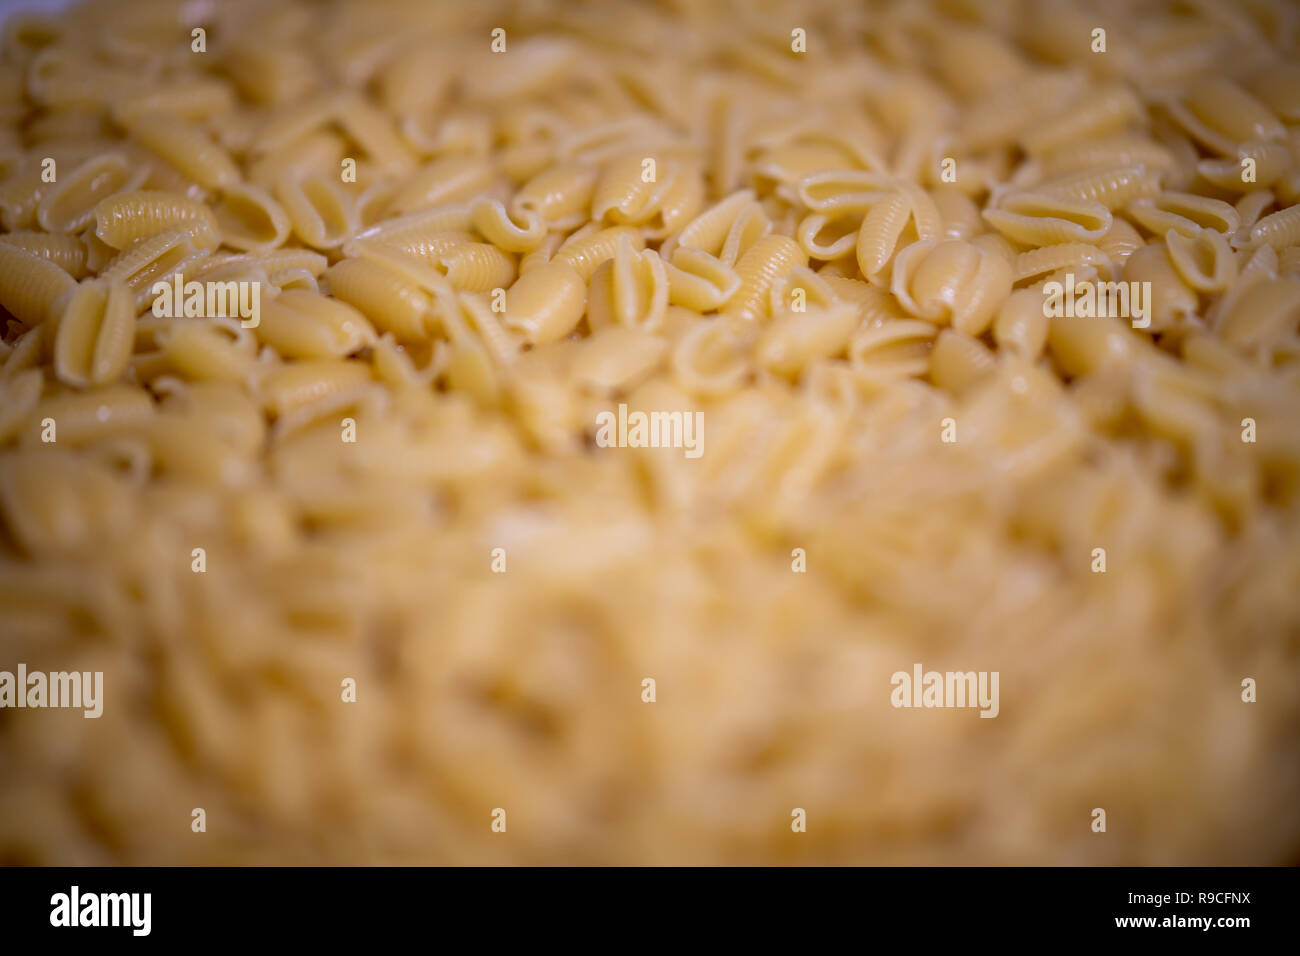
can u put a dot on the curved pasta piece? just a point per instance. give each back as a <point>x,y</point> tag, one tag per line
<point>699,281</point>
<point>767,260</point>
<point>1045,220</point>
<point>546,303</point>
<point>249,219</point>
<point>320,213</point>
<point>69,206</point>
<point>30,285</point>
<point>96,334</point>
<point>951,282</point>
<point>125,218</point>
<point>629,290</point>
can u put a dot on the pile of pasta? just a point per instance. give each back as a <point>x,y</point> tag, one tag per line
<point>360,580</point>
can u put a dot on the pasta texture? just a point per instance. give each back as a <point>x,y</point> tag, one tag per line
<point>309,345</point>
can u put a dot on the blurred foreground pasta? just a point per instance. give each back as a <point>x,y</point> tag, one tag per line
<point>463,231</point>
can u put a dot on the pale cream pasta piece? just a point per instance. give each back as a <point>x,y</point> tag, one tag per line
<point>1184,212</point>
<point>68,252</point>
<point>249,218</point>
<point>546,303</point>
<point>320,211</point>
<point>951,282</point>
<point>1205,262</point>
<point>186,147</point>
<point>585,253</point>
<point>30,284</point>
<point>699,281</point>
<point>630,290</point>
<point>498,227</point>
<point>392,302</point>
<point>958,362</point>
<point>303,324</point>
<point>766,260</point>
<point>1037,220</point>
<point>96,334</point>
<point>69,205</point>
<point>125,218</point>
<point>795,340</point>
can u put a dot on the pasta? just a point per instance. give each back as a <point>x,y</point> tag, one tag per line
<point>580,411</point>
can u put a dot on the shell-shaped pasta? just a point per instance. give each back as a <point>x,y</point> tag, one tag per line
<point>1257,164</point>
<point>957,211</point>
<point>885,353</point>
<point>443,182</point>
<point>1204,261</point>
<point>320,212</point>
<point>546,303</point>
<point>368,127</point>
<point>798,289</point>
<point>97,414</point>
<point>477,267</point>
<point>497,226</point>
<point>1120,241</point>
<point>1126,149</point>
<point>1044,220</point>
<point>69,204</point>
<point>249,219</point>
<point>1112,187</point>
<point>1094,115</point>
<point>617,357</point>
<point>196,99</point>
<point>560,195</point>
<point>586,252</point>
<point>1277,230</point>
<point>1183,212</point>
<point>96,334</point>
<point>630,290</point>
<point>1265,315</point>
<point>1171,301</point>
<point>767,260</point>
<point>125,218</point>
<point>303,324</point>
<point>699,281</point>
<point>951,282</point>
<point>392,302</point>
<point>825,238</point>
<point>794,340</point>
<point>30,285</point>
<point>710,358</point>
<point>676,202</point>
<point>405,231</point>
<point>187,148</point>
<point>1035,263</point>
<point>1082,346</point>
<point>1224,114</point>
<point>18,396</point>
<point>879,235</point>
<point>161,256</point>
<point>959,361</point>
<point>298,385</point>
<point>65,251</point>
<point>1021,324</point>
<point>711,229</point>
<point>623,194</point>
<point>844,190</point>
<point>208,350</point>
